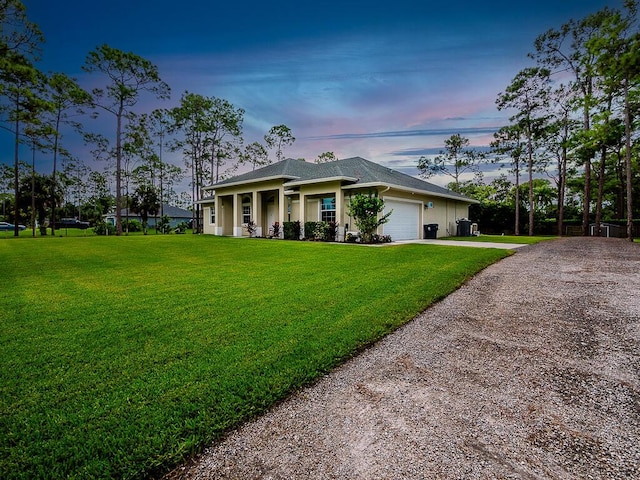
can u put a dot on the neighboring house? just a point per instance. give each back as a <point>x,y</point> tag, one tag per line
<point>293,190</point>
<point>176,216</point>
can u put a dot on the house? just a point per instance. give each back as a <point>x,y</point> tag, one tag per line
<point>293,190</point>
<point>176,216</point>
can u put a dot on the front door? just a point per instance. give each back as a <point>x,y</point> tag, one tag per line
<point>272,216</point>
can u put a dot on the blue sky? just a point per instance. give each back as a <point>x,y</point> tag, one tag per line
<point>387,81</point>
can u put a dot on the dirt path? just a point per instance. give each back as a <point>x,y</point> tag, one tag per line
<point>530,370</point>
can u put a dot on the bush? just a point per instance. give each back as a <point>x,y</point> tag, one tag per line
<point>181,227</point>
<point>375,238</point>
<point>104,228</point>
<point>365,209</point>
<point>291,230</point>
<point>320,231</point>
<point>164,226</point>
<point>310,230</point>
<point>131,225</point>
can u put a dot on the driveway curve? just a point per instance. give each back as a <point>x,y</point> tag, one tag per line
<point>530,370</point>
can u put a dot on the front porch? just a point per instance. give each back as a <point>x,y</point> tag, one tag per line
<point>231,214</point>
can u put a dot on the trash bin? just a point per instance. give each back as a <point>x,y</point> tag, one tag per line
<point>431,230</point>
<point>464,227</point>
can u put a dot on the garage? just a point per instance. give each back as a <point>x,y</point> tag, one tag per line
<point>404,222</point>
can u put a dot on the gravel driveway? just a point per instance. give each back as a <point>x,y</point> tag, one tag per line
<point>530,370</point>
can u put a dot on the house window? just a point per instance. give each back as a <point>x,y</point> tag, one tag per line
<point>246,209</point>
<point>246,214</point>
<point>212,212</point>
<point>328,209</point>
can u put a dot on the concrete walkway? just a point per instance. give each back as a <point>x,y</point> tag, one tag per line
<point>463,243</point>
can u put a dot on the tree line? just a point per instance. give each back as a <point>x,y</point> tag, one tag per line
<point>572,134</point>
<point>569,150</point>
<point>36,107</point>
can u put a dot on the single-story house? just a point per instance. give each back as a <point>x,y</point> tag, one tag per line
<point>176,216</point>
<point>296,190</point>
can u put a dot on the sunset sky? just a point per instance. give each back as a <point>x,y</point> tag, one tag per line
<point>384,81</point>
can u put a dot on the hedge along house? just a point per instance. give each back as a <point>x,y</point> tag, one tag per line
<point>296,190</point>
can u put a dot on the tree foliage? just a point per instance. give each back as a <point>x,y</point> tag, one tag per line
<point>456,159</point>
<point>365,211</point>
<point>127,76</point>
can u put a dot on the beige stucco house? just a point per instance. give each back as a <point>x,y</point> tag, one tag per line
<point>293,190</point>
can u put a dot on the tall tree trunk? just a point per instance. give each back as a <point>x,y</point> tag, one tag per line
<point>119,171</point>
<point>517,175</point>
<point>562,169</point>
<point>627,132</point>
<point>601,171</point>
<point>530,168</point>
<point>54,179</point>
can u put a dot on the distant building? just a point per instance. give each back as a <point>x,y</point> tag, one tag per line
<point>176,216</point>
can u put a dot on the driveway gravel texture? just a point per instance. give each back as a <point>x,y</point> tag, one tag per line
<point>530,370</point>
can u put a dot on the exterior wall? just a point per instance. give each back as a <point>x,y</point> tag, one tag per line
<point>207,226</point>
<point>445,213</point>
<point>270,204</point>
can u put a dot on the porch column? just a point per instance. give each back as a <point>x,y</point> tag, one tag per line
<point>219,223</point>
<point>303,201</point>
<point>237,215</point>
<point>339,215</point>
<point>282,205</point>
<point>256,213</point>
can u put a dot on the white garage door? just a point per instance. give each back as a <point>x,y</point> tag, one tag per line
<point>404,222</point>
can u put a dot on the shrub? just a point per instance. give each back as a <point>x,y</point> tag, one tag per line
<point>291,230</point>
<point>320,231</point>
<point>131,225</point>
<point>375,238</point>
<point>104,228</point>
<point>310,229</point>
<point>275,229</point>
<point>181,227</point>
<point>251,228</point>
<point>365,209</point>
<point>164,226</point>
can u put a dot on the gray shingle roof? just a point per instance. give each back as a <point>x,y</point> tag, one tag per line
<point>365,171</point>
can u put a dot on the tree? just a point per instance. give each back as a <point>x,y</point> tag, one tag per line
<point>326,157</point>
<point>508,141</point>
<point>190,119</point>
<point>528,94</point>
<point>256,154</point>
<point>145,202</point>
<point>454,161</point>
<point>223,126</point>
<point>18,36</point>
<point>558,141</point>
<point>617,53</point>
<point>159,126</point>
<point>20,42</point>
<point>36,192</point>
<point>365,210</point>
<point>566,50</point>
<point>128,76</point>
<point>278,137</point>
<point>66,98</point>
<point>20,86</point>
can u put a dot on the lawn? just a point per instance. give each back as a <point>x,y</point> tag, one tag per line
<point>525,239</point>
<point>120,356</point>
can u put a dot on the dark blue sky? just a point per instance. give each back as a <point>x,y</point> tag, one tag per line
<point>384,81</point>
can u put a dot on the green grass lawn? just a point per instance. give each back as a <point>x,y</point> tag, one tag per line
<point>525,239</point>
<point>120,356</point>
